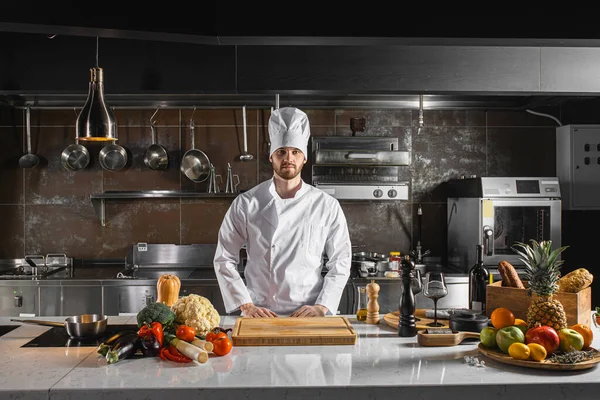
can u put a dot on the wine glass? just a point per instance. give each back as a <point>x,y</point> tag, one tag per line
<point>435,289</point>
<point>416,285</point>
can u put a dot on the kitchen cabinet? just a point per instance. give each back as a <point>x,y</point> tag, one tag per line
<point>19,299</point>
<point>70,299</point>
<point>128,298</point>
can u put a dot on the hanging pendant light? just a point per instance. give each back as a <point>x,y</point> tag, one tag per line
<point>96,121</point>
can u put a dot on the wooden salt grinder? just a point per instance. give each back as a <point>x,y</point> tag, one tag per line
<point>373,305</point>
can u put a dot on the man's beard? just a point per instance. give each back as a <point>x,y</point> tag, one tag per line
<point>288,173</point>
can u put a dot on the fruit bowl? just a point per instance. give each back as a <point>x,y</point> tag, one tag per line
<point>497,355</point>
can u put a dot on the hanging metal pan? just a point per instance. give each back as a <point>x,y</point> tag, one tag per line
<point>195,164</point>
<point>113,157</point>
<point>75,157</point>
<point>156,156</point>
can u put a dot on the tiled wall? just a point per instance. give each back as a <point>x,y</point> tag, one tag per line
<point>48,209</point>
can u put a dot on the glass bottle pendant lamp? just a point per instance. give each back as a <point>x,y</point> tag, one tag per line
<point>96,121</point>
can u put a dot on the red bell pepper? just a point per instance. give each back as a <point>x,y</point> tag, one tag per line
<point>155,329</point>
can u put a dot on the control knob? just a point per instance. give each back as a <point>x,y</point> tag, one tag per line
<point>392,193</point>
<point>378,193</point>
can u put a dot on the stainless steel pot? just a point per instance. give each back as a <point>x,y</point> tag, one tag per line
<point>75,157</point>
<point>78,326</point>
<point>195,164</point>
<point>113,157</point>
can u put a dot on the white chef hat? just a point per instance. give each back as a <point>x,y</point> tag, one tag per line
<point>289,127</point>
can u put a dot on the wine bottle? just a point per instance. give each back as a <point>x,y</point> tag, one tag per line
<point>478,280</point>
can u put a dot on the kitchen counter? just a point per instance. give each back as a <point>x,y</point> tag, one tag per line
<point>380,364</point>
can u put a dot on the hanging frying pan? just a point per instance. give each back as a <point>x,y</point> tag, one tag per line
<point>156,156</point>
<point>113,157</point>
<point>75,157</point>
<point>195,164</point>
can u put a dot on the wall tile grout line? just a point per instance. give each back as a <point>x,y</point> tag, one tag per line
<point>180,183</point>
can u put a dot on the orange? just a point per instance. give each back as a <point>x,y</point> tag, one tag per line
<point>586,332</point>
<point>502,317</point>
<point>522,325</point>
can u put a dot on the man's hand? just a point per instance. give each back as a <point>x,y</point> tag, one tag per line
<point>310,311</point>
<point>251,311</point>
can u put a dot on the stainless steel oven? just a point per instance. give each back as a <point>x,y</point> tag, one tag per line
<point>360,167</point>
<point>498,212</point>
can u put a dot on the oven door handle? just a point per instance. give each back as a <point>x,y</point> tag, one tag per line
<point>488,234</point>
<point>364,156</point>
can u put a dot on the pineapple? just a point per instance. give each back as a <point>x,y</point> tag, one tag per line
<point>543,273</point>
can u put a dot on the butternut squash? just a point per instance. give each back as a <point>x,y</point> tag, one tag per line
<point>167,287</point>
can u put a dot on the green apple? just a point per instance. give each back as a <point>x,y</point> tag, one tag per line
<point>570,339</point>
<point>507,336</point>
<point>487,336</point>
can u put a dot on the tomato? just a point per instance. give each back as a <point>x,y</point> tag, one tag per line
<point>186,333</point>
<point>222,345</point>
<point>212,336</point>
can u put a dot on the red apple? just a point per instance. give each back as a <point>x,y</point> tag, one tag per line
<point>545,336</point>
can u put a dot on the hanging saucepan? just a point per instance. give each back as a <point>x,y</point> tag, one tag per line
<point>195,164</point>
<point>156,156</point>
<point>75,157</point>
<point>28,160</point>
<point>113,157</point>
<point>78,326</point>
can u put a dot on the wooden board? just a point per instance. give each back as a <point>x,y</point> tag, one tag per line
<point>393,318</point>
<point>444,339</point>
<point>287,331</point>
<point>578,306</point>
<point>497,355</point>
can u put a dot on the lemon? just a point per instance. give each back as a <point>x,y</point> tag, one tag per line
<point>519,351</point>
<point>537,351</point>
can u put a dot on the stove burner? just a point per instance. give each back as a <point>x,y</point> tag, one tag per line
<point>58,337</point>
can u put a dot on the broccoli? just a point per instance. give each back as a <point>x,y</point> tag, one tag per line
<point>159,312</point>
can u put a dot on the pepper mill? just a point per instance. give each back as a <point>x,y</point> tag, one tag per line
<point>407,326</point>
<point>373,305</point>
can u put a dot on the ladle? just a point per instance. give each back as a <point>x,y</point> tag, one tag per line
<point>28,160</point>
<point>245,156</point>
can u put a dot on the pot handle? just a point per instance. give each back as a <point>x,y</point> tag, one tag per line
<point>36,322</point>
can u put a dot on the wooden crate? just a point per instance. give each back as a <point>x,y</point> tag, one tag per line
<point>578,306</point>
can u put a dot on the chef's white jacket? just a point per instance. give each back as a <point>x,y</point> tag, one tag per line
<point>285,240</point>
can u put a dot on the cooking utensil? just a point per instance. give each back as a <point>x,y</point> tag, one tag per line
<point>230,187</point>
<point>78,326</point>
<point>28,160</point>
<point>468,321</point>
<point>245,156</point>
<point>443,337</point>
<point>156,156</point>
<point>75,157</point>
<point>113,157</point>
<point>213,186</point>
<point>195,164</point>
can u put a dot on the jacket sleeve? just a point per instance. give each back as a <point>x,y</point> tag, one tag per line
<point>232,236</point>
<point>339,253</point>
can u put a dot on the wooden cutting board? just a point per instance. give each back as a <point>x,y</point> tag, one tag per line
<point>393,318</point>
<point>288,331</point>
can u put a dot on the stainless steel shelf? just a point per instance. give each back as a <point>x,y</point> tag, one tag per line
<point>99,199</point>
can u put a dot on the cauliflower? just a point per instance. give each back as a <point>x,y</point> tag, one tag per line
<point>196,311</point>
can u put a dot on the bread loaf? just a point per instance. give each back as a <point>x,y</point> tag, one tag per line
<point>575,281</point>
<point>509,275</point>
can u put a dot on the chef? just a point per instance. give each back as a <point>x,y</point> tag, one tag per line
<point>286,226</point>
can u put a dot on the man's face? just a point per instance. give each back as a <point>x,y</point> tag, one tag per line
<point>287,162</point>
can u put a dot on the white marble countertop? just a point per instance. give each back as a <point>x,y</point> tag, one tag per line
<point>380,364</point>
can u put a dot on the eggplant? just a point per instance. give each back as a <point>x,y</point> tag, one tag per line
<point>150,346</point>
<point>124,347</point>
<point>108,343</point>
